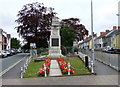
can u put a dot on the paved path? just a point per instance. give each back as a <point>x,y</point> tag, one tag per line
<point>55,69</point>
<point>103,69</point>
<point>69,80</point>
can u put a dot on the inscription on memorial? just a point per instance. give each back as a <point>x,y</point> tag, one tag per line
<point>55,42</point>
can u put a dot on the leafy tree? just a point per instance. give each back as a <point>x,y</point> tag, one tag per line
<point>67,36</point>
<point>25,46</point>
<point>79,29</point>
<point>34,23</point>
<point>15,43</point>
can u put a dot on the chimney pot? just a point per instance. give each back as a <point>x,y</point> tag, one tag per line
<point>118,27</point>
<point>114,27</point>
<point>101,33</point>
<point>107,30</point>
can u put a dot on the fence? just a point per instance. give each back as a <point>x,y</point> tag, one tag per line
<point>107,58</point>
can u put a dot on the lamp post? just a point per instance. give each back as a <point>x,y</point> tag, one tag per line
<point>92,59</point>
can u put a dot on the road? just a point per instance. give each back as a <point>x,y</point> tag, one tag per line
<point>11,65</point>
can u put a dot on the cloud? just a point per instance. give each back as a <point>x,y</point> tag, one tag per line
<point>104,12</point>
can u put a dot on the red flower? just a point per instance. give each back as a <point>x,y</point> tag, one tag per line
<point>64,71</point>
<point>41,72</point>
<point>71,70</point>
<point>47,68</point>
<point>62,67</point>
<point>60,59</point>
<point>41,69</point>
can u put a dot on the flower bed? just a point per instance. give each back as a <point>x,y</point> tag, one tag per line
<point>46,64</point>
<point>64,66</point>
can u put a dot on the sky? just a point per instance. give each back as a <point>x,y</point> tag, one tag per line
<point>104,13</point>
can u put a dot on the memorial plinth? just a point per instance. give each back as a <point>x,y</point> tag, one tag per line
<point>55,39</point>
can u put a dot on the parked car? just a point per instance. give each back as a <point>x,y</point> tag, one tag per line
<point>0,54</point>
<point>3,54</point>
<point>9,52</point>
<point>106,48</point>
<point>14,51</point>
<point>19,51</point>
<point>114,50</point>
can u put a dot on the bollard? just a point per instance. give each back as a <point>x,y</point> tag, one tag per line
<point>21,76</point>
<point>24,68</point>
<point>68,68</point>
<point>26,65</point>
<point>45,70</point>
<point>27,61</point>
<point>86,61</point>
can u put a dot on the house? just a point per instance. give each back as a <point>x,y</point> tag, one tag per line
<point>117,39</point>
<point>107,38</point>
<point>100,42</point>
<point>4,40</point>
<point>90,42</point>
<point>87,42</point>
<point>113,37</point>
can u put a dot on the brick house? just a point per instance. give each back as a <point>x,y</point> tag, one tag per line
<point>4,40</point>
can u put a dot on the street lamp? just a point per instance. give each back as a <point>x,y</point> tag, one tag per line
<point>92,59</point>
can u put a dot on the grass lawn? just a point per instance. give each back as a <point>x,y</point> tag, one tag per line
<point>33,69</point>
<point>78,65</point>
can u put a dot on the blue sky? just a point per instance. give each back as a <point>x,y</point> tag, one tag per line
<point>104,13</point>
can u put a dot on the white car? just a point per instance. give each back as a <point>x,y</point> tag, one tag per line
<point>0,54</point>
<point>3,53</point>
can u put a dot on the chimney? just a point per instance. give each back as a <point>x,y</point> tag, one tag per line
<point>118,27</point>
<point>95,35</point>
<point>107,30</point>
<point>90,36</point>
<point>114,27</point>
<point>101,33</point>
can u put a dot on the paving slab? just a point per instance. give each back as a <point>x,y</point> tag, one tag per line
<point>54,69</point>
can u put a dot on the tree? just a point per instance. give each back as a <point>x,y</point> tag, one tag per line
<point>15,43</point>
<point>67,36</point>
<point>79,29</point>
<point>34,23</point>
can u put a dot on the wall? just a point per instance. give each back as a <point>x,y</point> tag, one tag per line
<point>107,58</point>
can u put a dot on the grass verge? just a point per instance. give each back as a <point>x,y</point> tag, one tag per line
<point>78,65</point>
<point>33,69</point>
<point>75,62</point>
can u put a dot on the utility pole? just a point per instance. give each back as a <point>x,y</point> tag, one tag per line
<point>92,59</point>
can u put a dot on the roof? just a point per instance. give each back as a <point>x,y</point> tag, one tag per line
<point>117,31</point>
<point>87,40</point>
<point>101,36</point>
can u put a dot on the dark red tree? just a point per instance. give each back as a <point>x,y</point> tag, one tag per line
<point>34,23</point>
<point>79,29</point>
